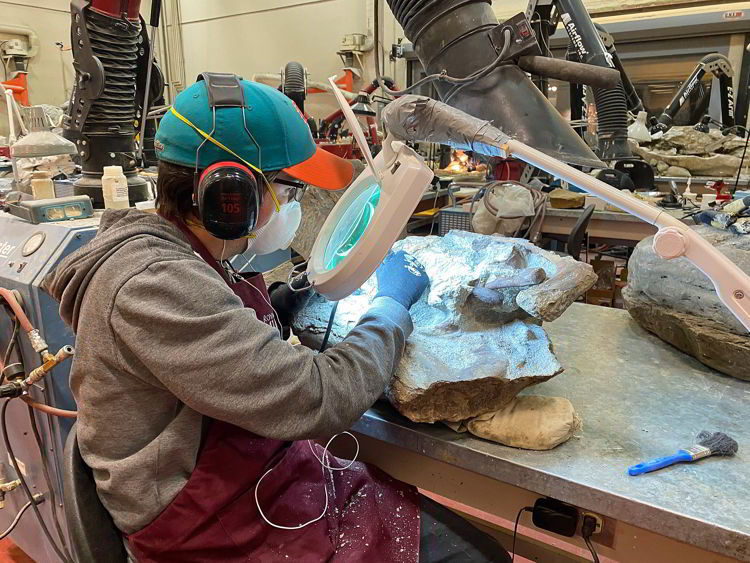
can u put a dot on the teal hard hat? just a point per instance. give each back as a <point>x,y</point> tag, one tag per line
<point>279,137</point>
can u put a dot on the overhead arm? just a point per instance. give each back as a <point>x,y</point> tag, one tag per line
<point>418,118</point>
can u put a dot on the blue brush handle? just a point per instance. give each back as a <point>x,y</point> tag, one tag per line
<point>658,463</point>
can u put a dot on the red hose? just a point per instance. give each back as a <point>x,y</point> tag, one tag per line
<point>50,410</point>
<point>7,294</point>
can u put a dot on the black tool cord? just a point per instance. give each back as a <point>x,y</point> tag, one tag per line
<point>48,481</point>
<point>9,350</point>
<point>515,529</point>
<point>591,549</point>
<point>330,326</point>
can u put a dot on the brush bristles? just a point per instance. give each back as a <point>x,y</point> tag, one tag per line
<point>718,442</point>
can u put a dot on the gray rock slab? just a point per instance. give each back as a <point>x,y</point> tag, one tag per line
<point>677,302</point>
<point>473,348</point>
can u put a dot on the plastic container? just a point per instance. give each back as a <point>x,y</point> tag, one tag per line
<point>115,188</point>
<point>42,186</point>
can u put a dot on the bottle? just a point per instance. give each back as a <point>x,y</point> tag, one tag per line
<point>42,186</point>
<point>115,188</point>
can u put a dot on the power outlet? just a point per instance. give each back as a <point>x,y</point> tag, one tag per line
<point>599,521</point>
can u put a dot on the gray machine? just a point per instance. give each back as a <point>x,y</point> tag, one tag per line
<point>27,253</point>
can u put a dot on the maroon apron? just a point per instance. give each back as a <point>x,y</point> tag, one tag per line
<point>370,516</point>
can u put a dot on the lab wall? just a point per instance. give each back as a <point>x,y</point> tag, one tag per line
<point>50,19</point>
<point>247,37</point>
<point>262,36</point>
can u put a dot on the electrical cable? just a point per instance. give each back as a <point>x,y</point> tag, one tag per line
<point>591,549</point>
<point>330,326</point>
<point>478,75</point>
<point>15,522</point>
<point>515,529</point>
<point>24,485</point>
<point>323,466</point>
<point>587,530</point>
<point>48,481</point>
<point>742,160</point>
<point>9,350</point>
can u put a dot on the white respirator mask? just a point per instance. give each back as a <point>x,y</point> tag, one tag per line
<point>278,233</point>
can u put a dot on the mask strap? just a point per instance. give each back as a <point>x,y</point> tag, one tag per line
<point>230,151</point>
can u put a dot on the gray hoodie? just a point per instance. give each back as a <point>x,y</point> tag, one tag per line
<point>162,343</point>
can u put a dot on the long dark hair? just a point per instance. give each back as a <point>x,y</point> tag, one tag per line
<point>174,190</point>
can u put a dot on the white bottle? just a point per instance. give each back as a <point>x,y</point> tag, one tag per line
<point>115,188</point>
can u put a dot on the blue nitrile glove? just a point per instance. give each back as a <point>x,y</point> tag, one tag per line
<point>401,277</point>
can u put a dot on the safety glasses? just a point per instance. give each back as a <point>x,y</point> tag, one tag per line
<point>295,190</point>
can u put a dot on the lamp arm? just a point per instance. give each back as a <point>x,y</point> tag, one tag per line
<point>418,118</point>
<point>674,238</point>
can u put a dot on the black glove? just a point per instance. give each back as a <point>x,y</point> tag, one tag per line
<point>286,302</point>
<point>401,277</point>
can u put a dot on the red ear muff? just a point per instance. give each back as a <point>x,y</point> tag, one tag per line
<point>228,200</point>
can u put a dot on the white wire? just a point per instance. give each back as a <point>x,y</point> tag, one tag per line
<point>267,302</point>
<point>323,467</point>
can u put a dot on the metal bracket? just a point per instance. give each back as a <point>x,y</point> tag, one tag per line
<point>89,82</point>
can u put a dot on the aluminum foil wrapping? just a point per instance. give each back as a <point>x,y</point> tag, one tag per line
<point>418,118</point>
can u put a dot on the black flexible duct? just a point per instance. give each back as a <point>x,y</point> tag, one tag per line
<point>611,103</point>
<point>294,84</point>
<point>452,37</point>
<point>612,122</point>
<point>107,53</point>
<point>116,46</point>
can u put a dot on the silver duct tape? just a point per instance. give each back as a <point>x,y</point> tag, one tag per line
<point>418,118</point>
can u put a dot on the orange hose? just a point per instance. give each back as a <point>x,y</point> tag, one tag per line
<point>20,315</point>
<point>50,410</point>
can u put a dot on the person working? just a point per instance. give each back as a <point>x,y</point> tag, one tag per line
<point>196,418</point>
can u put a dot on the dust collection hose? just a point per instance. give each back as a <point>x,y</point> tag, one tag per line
<point>612,122</point>
<point>452,40</point>
<point>611,103</point>
<point>294,84</point>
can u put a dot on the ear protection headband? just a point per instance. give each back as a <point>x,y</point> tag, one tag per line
<point>227,193</point>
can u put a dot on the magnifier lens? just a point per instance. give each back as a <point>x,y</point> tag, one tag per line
<point>351,226</point>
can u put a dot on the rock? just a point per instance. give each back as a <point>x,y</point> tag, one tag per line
<point>714,165</point>
<point>530,422</point>
<point>473,348</point>
<point>677,302</point>
<point>565,199</point>
<point>705,154</point>
<point>706,340</point>
<point>677,171</point>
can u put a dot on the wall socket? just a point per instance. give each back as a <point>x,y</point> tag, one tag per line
<point>599,521</point>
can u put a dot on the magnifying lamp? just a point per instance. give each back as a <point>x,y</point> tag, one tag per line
<point>369,217</point>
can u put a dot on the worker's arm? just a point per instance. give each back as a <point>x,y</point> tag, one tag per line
<point>178,326</point>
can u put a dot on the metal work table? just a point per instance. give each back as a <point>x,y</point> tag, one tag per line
<point>639,398</point>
